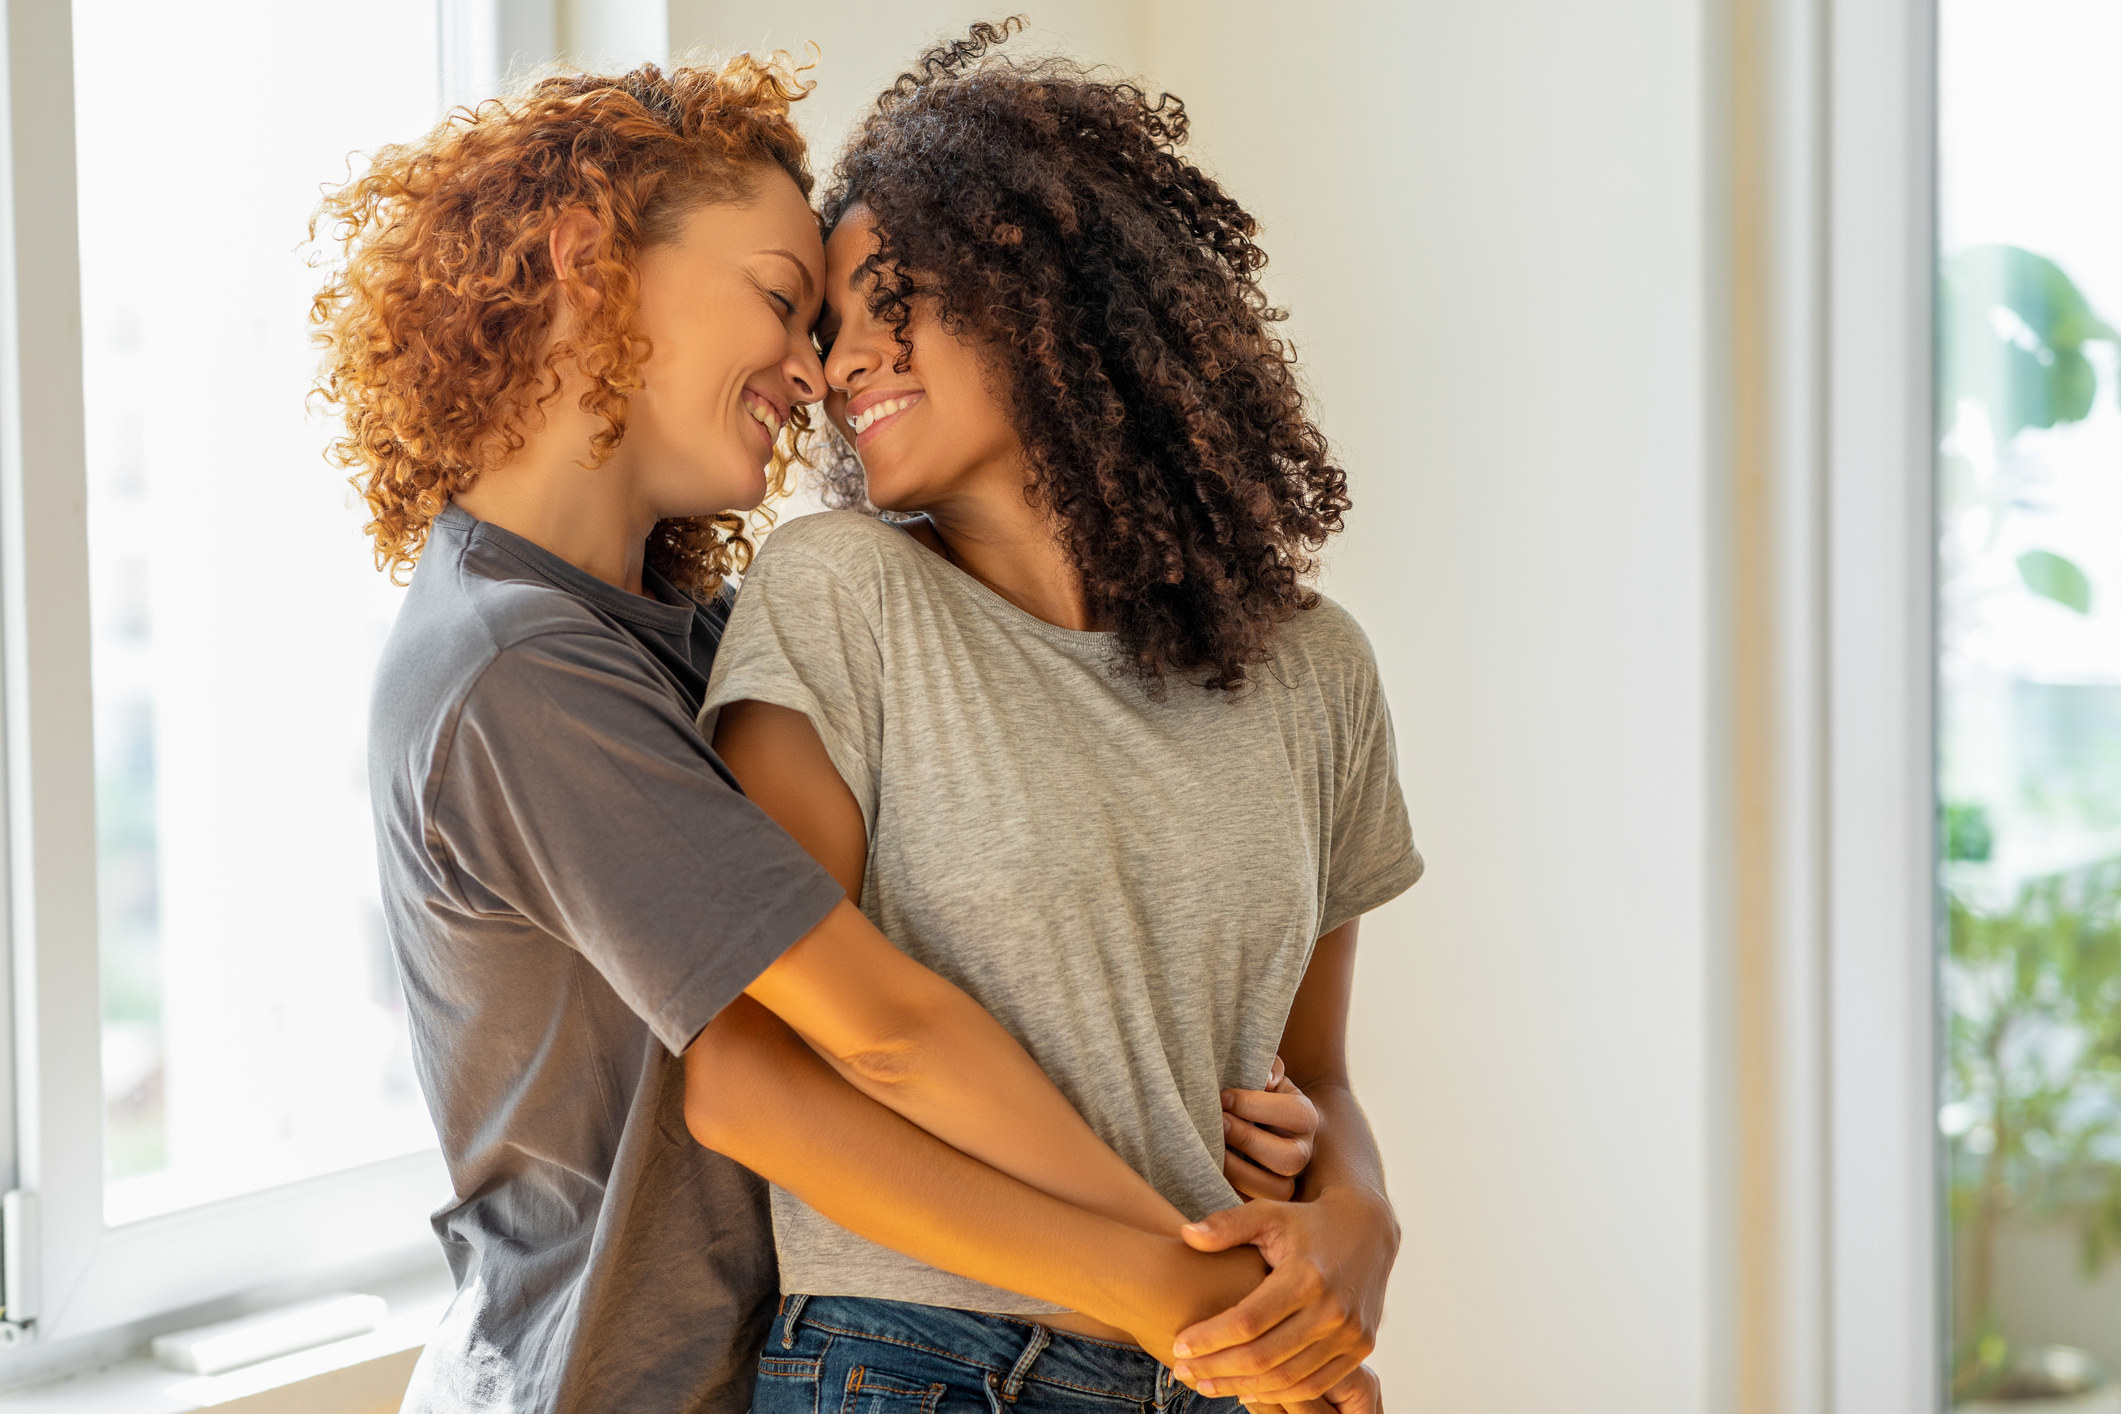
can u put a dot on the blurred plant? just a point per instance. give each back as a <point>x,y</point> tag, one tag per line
<point>2033,1084</point>
<point>2015,330</point>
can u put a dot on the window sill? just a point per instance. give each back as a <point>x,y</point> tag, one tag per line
<point>362,1375</point>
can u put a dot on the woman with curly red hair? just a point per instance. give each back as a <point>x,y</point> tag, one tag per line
<point>1083,680</point>
<point>571,336</point>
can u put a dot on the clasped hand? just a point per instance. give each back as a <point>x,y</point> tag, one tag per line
<point>1301,1335</point>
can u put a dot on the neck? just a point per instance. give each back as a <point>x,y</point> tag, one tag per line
<point>544,492</point>
<point>999,538</point>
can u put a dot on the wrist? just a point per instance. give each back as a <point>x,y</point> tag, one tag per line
<point>1361,1207</point>
<point>1155,1286</point>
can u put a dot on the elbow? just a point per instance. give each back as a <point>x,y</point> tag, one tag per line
<point>722,1085</point>
<point>711,1120</point>
<point>886,1063</point>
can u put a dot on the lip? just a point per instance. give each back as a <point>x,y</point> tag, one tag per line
<point>780,414</point>
<point>857,406</point>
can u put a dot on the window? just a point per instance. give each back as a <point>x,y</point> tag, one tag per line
<point>216,1090</point>
<point>253,1031</point>
<point>2029,705</point>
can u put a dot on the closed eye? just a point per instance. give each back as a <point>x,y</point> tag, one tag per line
<point>786,303</point>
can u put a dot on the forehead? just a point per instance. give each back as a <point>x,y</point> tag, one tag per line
<point>774,216</point>
<point>853,241</point>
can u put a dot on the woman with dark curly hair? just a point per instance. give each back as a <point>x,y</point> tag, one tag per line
<point>567,336</point>
<point>1078,683</point>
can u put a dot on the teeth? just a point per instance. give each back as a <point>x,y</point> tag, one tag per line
<point>763,415</point>
<point>876,411</point>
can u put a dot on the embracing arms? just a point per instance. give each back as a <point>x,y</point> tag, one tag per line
<point>907,1039</point>
<point>895,1030</point>
<point>1305,1331</point>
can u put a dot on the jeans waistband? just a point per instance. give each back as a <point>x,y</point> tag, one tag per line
<point>1008,1349</point>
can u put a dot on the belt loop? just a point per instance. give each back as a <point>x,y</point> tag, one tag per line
<point>1167,1388</point>
<point>1035,1347</point>
<point>791,1316</point>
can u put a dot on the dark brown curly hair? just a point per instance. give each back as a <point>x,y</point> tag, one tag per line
<point>1115,288</point>
<point>435,322</point>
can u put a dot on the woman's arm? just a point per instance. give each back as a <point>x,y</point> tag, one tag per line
<point>1305,1331</point>
<point>869,1170</point>
<point>895,1030</point>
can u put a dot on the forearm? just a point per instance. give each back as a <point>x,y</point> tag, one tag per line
<point>1345,1162</point>
<point>755,1092</point>
<point>952,1069</point>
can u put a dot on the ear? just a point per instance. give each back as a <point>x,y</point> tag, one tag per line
<point>572,245</point>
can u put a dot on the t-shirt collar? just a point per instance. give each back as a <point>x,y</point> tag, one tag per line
<point>670,611</point>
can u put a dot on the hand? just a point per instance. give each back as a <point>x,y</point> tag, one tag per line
<point>1166,1287</point>
<point>1359,1393</point>
<point>1308,1327</point>
<point>1268,1137</point>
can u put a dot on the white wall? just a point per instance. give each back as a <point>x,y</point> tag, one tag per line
<point>1488,221</point>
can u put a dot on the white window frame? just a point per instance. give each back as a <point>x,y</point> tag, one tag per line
<point>86,1290</point>
<point>1840,1308</point>
<point>1883,1196</point>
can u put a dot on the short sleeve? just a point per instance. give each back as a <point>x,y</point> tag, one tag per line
<point>576,792</point>
<point>1371,857</point>
<point>803,637</point>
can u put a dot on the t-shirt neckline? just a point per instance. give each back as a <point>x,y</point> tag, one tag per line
<point>669,611</point>
<point>1101,639</point>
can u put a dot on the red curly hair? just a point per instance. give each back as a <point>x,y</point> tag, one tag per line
<point>435,325</point>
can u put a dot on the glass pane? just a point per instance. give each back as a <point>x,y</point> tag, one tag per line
<point>2029,771</point>
<point>253,1032</point>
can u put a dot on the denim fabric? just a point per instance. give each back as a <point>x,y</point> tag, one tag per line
<point>857,1355</point>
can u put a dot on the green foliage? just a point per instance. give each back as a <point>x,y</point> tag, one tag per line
<point>2033,996</point>
<point>2013,331</point>
<point>2015,328</point>
<point>1967,835</point>
<point>2053,577</point>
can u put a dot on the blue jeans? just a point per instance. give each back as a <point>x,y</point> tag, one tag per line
<point>854,1355</point>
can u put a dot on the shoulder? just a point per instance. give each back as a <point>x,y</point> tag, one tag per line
<point>830,553</point>
<point>838,538</point>
<point>1328,637</point>
<point>464,628</point>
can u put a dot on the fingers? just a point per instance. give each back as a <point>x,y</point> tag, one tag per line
<point>1290,1390</point>
<point>1359,1393</point>
<point>1253,1181</point>
<point>1229,1227</point>
<point>1277,1075</point>
<point>1290,1111</point>
<point>1265,1307</point>
<point>1277,1153</point>
<point>1271,1364</point>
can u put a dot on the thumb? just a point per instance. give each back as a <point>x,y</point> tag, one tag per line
<point>1230,1227</point>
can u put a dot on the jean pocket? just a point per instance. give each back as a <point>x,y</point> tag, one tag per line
<point>788,1382</point>
<point>873,1392</point>
<point>774,1367</point>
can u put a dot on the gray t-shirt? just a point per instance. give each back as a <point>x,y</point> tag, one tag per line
<point>1131,886</point>
<point>574,886</point>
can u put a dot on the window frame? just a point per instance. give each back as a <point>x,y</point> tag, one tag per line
<point>89,1290</point>
<point>1838,1304</point>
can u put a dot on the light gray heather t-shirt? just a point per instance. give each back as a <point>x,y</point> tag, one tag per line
<point>574,886</point>
<point>1131,886</point>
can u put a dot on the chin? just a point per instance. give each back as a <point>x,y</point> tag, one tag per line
<point>890,494</point>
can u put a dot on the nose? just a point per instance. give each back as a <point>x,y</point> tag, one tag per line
<point>850,359</point>
<point>805,373</point>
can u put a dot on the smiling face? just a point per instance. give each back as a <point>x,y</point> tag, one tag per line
<point>932,435</point>
<point>726,308</point>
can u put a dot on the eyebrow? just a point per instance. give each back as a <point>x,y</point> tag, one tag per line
<point>801,269</point>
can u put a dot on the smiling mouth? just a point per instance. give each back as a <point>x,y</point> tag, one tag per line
<point>879,412</point>
<point>764,413</point>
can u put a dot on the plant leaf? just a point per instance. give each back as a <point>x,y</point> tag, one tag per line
<point>2052,577</point>
<point>2034,375</point>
